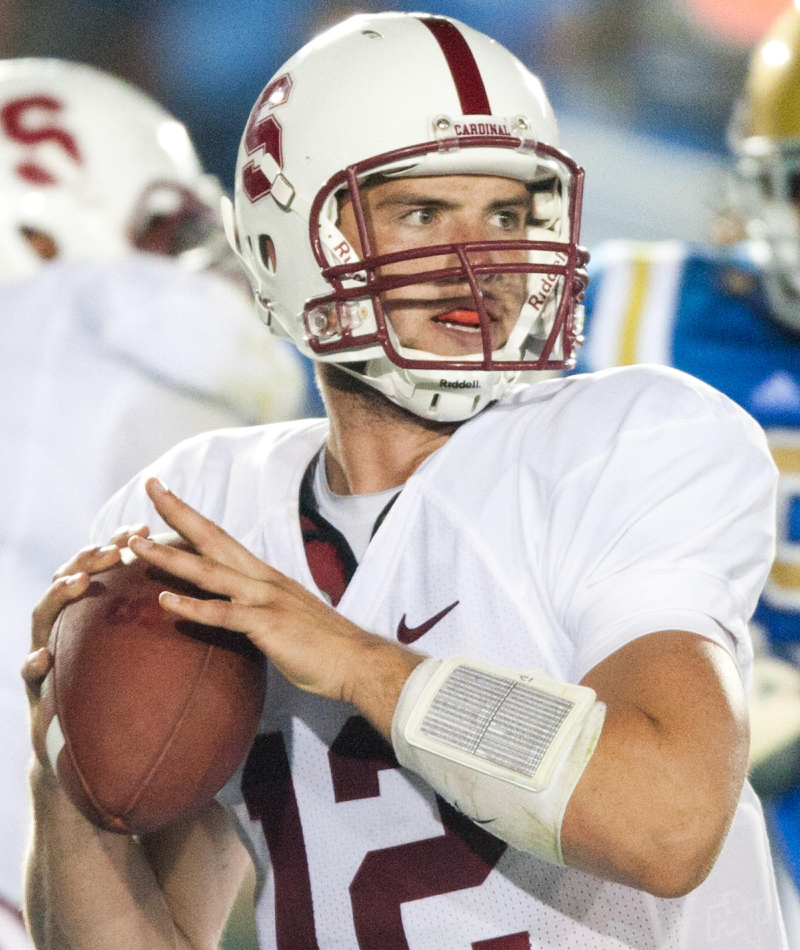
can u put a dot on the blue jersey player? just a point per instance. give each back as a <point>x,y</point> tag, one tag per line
<point>731,316</point>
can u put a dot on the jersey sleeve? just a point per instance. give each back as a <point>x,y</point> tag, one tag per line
<point>221,474</point>
<point>670,525</point>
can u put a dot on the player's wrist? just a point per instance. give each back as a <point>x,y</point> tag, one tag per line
<point>380,670</point>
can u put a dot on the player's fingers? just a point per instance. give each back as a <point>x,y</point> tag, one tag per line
<point>241,618</point>
<point>90,559</point>
<point>95,558</point>
<point>207,537</point>
<point>60,593</point>
<point>310,653</point>
<point>203,571</point>
<point>34,669</point>
<point>121,536</point>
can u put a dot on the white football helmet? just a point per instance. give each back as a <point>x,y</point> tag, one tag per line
<point>389,96</point>
<point>92,167</point>
<point>765,137</point>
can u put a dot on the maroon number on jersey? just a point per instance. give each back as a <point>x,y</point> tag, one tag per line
<point>462,857</point>
<point>269,793</point>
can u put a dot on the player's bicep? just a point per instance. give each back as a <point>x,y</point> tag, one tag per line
<point>690,690</point>
<point>199,863</point>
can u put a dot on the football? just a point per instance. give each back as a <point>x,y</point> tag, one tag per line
<point>146,715</point>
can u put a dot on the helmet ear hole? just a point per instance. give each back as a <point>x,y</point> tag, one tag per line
<point>40,242</point>
<point>266,250</point>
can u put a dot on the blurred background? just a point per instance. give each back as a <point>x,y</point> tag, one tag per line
<point>643,90</point>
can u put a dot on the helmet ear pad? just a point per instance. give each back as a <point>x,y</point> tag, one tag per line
<point>327,292</point>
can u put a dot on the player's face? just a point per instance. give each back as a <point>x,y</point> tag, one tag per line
<point>440,317</point>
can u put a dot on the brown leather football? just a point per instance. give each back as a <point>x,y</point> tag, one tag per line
<point>146,715</point>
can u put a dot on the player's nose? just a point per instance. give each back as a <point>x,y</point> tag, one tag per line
<point>484,240</point>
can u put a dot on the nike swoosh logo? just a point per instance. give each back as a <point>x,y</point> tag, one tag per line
<point>410,634</point>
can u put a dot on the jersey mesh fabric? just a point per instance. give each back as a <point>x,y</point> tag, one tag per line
<point>705,311</point>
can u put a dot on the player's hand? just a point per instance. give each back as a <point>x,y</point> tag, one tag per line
<point>70,581</point>
<point>314,646</point>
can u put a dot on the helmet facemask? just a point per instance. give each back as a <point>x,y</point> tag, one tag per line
<point>769,178</point>
<point>179,222</point>
<point>506,305</point>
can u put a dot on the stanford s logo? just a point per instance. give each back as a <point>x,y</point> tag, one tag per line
<point>30,121</point>
<point>263,133</point>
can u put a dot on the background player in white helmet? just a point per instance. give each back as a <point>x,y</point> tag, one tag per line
<point>578,559</point>
<point>93,168</point>
<point>117,338</point>
<point>731,316</point>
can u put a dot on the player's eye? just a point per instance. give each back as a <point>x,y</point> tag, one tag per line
<point>508,219</point>
<point>420,217</point>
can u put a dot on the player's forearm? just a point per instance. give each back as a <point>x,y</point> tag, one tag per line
<point>87,889</point>
<point>623,776</point>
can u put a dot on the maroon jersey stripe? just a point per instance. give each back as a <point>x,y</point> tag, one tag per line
<point>463,68</point>
<point>518,941</point>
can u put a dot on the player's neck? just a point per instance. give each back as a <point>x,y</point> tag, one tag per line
<point>373,445</point>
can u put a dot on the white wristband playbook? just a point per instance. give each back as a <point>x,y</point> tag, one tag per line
<point>505,747</point>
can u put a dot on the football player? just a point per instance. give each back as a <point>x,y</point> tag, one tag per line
<point>730,315</point>
<point>121,334</point>
<point>507,627</point>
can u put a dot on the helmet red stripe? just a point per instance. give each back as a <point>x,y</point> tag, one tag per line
<point>463,68</point>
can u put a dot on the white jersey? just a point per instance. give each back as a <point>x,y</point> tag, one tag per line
<point>549,531</point>
<point>104,366</point>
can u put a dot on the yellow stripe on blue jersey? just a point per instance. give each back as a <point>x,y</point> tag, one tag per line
<point>637,295</point>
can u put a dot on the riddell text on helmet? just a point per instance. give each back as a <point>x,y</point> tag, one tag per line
<point>459,384</point>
